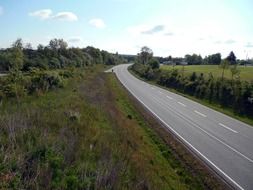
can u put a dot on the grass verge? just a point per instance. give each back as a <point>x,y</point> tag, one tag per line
<point>87,135</point>
<point>217,107</point>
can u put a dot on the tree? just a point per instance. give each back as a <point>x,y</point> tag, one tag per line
<point>193,59</point>
<point>40,47</point>
<point>231,58</point>
<point>214,59</point>
<point>28,46</point>
<point>154,63</point>
<point>224,65</point>
<point>57,44</point>
<point>145,55</point>
<point>18,44</point>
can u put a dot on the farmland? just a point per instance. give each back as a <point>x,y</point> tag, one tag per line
<point>246,73</point>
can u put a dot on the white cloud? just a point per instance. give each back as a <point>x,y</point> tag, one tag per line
<point>42,14</point>
<point>97,22</point>
<point>65,16</point>
<point>75,39</point>
<point>154,29</point>
<point>1,10</point>
<point>46,14</point>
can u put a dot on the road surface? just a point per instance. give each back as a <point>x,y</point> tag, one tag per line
<point>224,143</point>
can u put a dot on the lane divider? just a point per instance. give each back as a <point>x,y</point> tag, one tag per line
<point>184,140</point>
<point>170,97</point>
<point>203,115</point>
<point>181,104</point>
<point>227,128</point>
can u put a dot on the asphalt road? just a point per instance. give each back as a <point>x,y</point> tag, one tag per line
<point>224,143</point>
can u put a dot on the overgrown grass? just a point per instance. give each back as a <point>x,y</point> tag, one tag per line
<point>246,73</point>
<point>86,135</point>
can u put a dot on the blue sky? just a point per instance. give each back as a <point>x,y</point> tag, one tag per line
<point>168,27</point>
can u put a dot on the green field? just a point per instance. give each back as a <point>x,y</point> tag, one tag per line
<point>246,73</point>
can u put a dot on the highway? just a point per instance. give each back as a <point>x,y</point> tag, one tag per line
<point>224,143</point>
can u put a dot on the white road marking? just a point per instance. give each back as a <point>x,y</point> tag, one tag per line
<point>152,88</point>
<point>170,97</point>
<point>203,115</point>
<point>189,144</point>
<point>227,128</point>
<point>181,104</point>
<point>209,134</point>
<point>160,92</point>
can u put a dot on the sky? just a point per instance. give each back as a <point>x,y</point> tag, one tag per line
<point>168,27</point>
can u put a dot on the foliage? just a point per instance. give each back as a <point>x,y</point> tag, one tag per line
<point>79,137</point>
<point>145,55</point>
<point>231,58</point>
<point>29,71</point>
<point>231,93</point>
<point>193,59</point>
<point>214,59</point>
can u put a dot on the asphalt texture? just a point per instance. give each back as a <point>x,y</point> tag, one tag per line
<point>224,143</point>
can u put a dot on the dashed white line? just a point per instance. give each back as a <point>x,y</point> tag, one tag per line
<point>160,92</point>
<point>152,88</point>
<point>175,132</point>
<point>203,115</point>
<point>181,104</point>
<point>170,97</point>
<point>227,128</point>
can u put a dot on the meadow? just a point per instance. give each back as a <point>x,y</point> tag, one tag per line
<point>246,73</point>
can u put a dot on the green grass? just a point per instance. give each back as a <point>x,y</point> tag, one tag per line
<point>246,73</point>
<point>217,107</point>
<point>86,135</point>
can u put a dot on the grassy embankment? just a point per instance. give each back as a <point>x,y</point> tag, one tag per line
<point>86,135</point>
<point>246,73</point>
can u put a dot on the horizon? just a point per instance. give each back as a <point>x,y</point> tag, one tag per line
<point>166,27</point>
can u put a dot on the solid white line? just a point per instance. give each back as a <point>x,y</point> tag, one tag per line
<point>181,104</point>
<point>203,115</point>
<point>189,144</point>
<point>170,97</point>
<point>227,128</point>
<point>209,134</point>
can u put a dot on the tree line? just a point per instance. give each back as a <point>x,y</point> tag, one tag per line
<point>231,93</point>
<point>195,59</point>
<point>36,70</point>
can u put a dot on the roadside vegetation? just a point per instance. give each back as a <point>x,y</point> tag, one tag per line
<point>246,72</point>
<point>74,127</point>
<point>232,94</point>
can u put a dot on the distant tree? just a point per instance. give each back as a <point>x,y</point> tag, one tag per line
<point>224,65</point>
<point>154,63</point>
<point>231,58</point>
<point>28,46</point>
<point>57,44</point>
<point>193,59</point>
<point>16,56</point>
<point>18,44</point>
<point>40,47</point>
<point>95,54</point>
<point>214,59</point>
<point>145,55</point>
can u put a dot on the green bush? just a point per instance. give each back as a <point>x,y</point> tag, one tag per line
<point>234,94</point>
<point>43,81</point>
